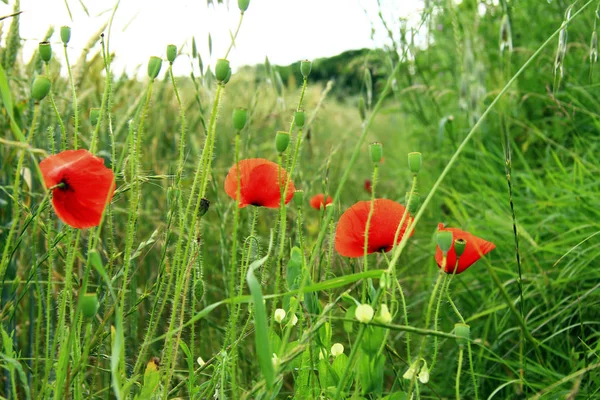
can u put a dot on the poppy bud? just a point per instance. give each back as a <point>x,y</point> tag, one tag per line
<point>279,315</point>
<point>154,65</point>
<point>444,240</point>
<point>414,162</point>
<point>376,150</point>
<point>45,51</point>
<point>243,5</point>
<point>337,349</point>
<point>228,77</point>
<point>94,115</point>
<point>305,67</point>
<point>282,141</point>
<point>415,201</point>
<point>171,53</point>
<point>65,34</point>
<point>463,333</point>
<point>459,247</point>
<point>89,305</point>
<point>298,197</point>
<point>40,88</point>
<point>364,313</point>
<point>222,69</point>
<point>204,204</point>
<point>239,118</point>
<point>299,118</point>
<point>362,108</point>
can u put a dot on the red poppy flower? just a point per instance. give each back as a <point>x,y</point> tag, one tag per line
<point>474,250</point>
<point>350,232</point>
<point>258,183</point>
<point>368,186</point>
<point>319,201</point>
<point>81,186</point>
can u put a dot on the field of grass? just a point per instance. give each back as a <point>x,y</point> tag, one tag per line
<point>173,291</point>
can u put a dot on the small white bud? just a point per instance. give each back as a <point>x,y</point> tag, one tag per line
<point>275,360</point>
<point>423,376</point>
<point>364,313</point>
<point>201,362</point>
<point>409,374</point>
<point>337,349</point>
<point>384,314</point>
<point>279,315</point>
<point>294,320</point>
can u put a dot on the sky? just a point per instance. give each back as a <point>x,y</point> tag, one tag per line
<point>283,30</point>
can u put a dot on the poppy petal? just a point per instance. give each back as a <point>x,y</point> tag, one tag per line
<point>319,201</point>
<point>474,250</point>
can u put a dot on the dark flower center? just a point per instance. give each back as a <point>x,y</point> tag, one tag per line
<point>64,186</point>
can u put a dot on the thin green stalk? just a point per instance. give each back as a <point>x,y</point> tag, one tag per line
<point>460,361</point>
<point>63,131</point>
<point>237,30</point>
<point>367,227</point>
<point>75,109</point>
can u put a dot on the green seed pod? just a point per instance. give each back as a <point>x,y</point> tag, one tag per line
<point>415,202</point>
<point>298,197</point>
<point>89,305</point>
<point>204,205</point>
<point>282,141</point>
<point>305,67</point>
<point>94,115</point>
<point>154,66</point>
<point>239,118</point>
<point>459,247</point>
<point>444,240</point>
<point>376,150</point>
<point>299,118</point>
<point>228,77</point>
<point>171,53</point>
<point>222,69</point>
<point>65,34</point>
<point>45,51</point>
<point>463,333</point>
<point>40,88</point>
<point>243,5</point>
<point>362,108</point>
<point>414,162</point>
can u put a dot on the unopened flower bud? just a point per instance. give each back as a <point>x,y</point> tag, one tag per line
<point>424,374</point>
<point>89,305</point>
<point>228,77</point>
<point>222,69</point>
<point>299,118</point>
<point>444,240</point>
<point>459,247</point>
<point>414,162</point>
<point>40,88</point>
<point>279,315</point>
<point>171,53</point>
<point>376,150</point>
<point>94,115</point>
<point>410,373</point>
<point>201,362</point>
<point>154,65</point>
<point>294,320</point>
<point>337,349</point>
<point>364,313</point>
<point>305,67</point>
<point>463,333</point>
<point>239,118</point>
<point>282,141</point>
<point>298,197</point>
<point>385,317</point>
<point>65,34</point>
<point>243,5</point>
<point>45,51</point>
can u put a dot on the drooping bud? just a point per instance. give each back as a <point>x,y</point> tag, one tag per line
<point>364,313</point>
<point>171,53</point>
<point>239,118</point>
<point>40,88</point>
<point>45,51</point>
<point>294,320</point>
<point>384,316</point>
<point>243,5</point>
<point>298,197</point>
<point>305,67</point>
<point>337,349</point>
<point>279,315</point>
<point>424,373</point>
<point>299,118</point>
<point>409,373</point>
<point>444,240</point>
<point>204,205</point>
<point>154,66</point>
<point>222,69</point>
<point>94,115</point>
<point>89,305</point>
<point>459,247</point>
<point>415,159</point>
<point>376,151</point>
<point>65,34</point>
<point>282,141</point>
<point>463,333</point>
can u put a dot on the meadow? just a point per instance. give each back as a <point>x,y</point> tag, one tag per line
<point>161,237</point>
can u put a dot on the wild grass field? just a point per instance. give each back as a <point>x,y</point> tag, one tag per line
<point>160,236</point>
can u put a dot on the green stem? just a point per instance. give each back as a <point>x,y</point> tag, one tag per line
<point>460,361</point>
<point>367,227</point>
<point>75,109</point>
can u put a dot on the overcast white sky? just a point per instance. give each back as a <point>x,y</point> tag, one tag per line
<point>283,30</point>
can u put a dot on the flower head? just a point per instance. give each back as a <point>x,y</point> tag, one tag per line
<point>260,183</point>
<point>350,232</point>
<point>364,313</point>
<point>279,315</point>
<point>474,250</point>
<point>81,186</point>
<point>337,349</point>
<point>318,201</point>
